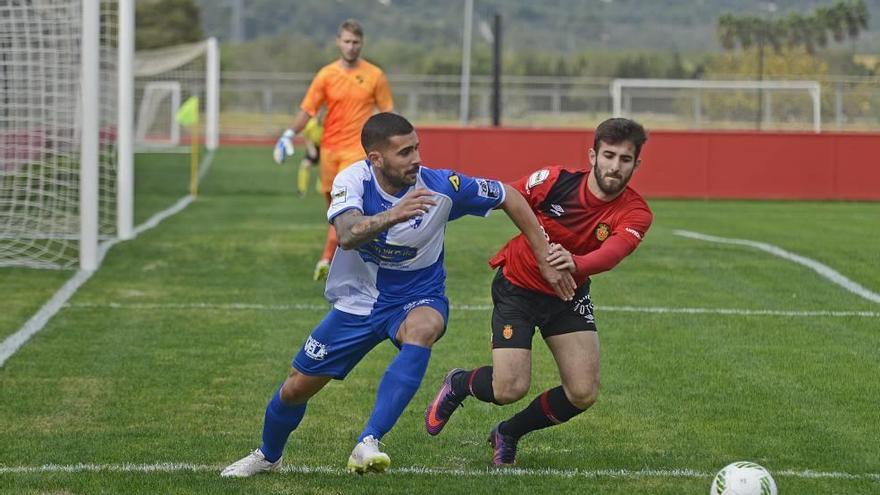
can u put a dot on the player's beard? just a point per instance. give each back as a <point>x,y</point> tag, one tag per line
<point>606,187</point>
<point>404,180</point>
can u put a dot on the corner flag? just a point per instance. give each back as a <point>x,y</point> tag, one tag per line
<point>188,113</point>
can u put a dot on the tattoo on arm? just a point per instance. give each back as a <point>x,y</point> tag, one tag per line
<point>353,229</point>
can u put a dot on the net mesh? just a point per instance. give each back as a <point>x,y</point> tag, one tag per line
<point>39,133</point>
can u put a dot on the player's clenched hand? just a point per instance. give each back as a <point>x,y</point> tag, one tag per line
<point>414,204</point>
<point>560,258</point>
<point>562,282</point>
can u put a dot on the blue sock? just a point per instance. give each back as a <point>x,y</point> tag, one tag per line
<point>280,420</point>
<point>397,388</point>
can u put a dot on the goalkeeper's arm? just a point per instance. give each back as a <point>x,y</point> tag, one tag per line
<point>284,147</point>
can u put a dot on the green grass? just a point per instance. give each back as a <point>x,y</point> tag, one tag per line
<point>158,379</point>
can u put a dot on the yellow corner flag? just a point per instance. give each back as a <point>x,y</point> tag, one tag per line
<point>188,115</point>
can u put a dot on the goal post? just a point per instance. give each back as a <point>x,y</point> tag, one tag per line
<point>619,88</point>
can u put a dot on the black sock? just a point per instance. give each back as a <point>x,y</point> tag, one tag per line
<point>476,382</point>
<point>550,408</point>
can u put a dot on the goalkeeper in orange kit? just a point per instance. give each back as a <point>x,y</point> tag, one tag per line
<point>352,89</point>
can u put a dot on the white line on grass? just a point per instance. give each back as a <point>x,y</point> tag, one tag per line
<point>176,467</point>
<point>13,343</point>
<point>823,270</point>
<point>480,307</point>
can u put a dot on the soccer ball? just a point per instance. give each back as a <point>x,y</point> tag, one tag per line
<point>743,478</point>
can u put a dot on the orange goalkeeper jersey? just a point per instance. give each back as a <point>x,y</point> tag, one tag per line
<point>350,96</point>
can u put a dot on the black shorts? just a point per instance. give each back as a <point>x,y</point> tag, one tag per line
<point>313,157</point>
<point>518,311</point>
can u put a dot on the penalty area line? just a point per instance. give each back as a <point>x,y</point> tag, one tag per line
<point>823,270</point>
<point>176,467</point>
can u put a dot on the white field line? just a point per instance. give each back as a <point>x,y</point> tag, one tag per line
<point>173,467</point>
<point>478,307</point>
<point>823,270</point>
<point>13,343</point>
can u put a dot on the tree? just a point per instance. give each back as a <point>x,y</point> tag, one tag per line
<point>844,19</point>
<point>166,22</point>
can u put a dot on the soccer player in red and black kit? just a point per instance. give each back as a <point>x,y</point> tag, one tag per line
<point>593,220</point>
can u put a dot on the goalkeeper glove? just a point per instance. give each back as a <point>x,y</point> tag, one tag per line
<point>284,147</point>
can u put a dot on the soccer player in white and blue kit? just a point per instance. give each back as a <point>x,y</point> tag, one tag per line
<point>387,281</point>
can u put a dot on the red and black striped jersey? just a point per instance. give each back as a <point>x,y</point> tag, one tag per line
<point>599,234</point>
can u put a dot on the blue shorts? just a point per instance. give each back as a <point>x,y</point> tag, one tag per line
<point>342,339</point>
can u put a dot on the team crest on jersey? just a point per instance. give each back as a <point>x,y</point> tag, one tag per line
<point>537,178</point>
<point>602,231</point>
<point>338,195</point>
<point>507,332</point>
<point>488,189</point>
<point>416,222</point>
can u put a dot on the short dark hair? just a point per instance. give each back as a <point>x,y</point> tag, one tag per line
<point>352,26</point>
<point>381,127</point>
<point>617,130</point>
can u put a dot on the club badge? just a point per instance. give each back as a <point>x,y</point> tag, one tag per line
<point>602,231</point>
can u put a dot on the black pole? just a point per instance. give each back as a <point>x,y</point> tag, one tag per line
<point>496,73</point>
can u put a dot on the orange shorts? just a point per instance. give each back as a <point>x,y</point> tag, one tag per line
<point>335,161</point>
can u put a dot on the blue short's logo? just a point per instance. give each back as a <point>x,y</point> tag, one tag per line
<point>315,349</point>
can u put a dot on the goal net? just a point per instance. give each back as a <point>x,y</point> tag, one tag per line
<point>66,81</point>
<point>739,104</point>
<point>166,77</point>
<point>40,130</point>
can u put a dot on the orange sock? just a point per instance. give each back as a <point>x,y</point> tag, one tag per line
<point>330,245</point>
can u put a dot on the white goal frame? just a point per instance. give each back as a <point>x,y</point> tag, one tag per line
<point>149,106</point>
<point>812,87</point>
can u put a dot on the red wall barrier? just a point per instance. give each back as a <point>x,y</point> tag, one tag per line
<point>675,164</point>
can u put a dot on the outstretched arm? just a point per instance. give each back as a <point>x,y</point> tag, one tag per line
<point>521,213</point>
<point>300,121</point>
<point>353,229</point>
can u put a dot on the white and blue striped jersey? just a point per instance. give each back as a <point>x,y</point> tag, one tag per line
<point>405,261</point>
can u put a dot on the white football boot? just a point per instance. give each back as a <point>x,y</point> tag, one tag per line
<point>252,464</point>
<point>366,457</point>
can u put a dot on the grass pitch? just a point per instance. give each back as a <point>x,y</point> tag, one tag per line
<point>156,374</point>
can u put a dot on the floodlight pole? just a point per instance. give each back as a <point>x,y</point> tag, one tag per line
<point>464,109</point>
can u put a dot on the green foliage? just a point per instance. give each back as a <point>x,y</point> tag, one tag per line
<point>166,22</point>
<point>297,53</point>
<point>844,19</point>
